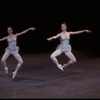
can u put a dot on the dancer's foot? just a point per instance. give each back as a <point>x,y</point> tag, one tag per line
<point>6,70</point>
<point>60,67</point>
<point>65,65</point>
<point>14,74</point>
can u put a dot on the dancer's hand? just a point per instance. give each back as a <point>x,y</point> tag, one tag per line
<point>88,31</point>
<point>32,28</point>
<point>49,39</point>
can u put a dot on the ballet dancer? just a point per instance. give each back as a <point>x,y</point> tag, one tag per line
<point>13,49</point>
<point>64,46</point>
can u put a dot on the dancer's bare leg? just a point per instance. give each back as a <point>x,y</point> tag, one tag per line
<point>54,59</point>
<point>20,62</point>
<point>3,61</point>
<point>71,57</point>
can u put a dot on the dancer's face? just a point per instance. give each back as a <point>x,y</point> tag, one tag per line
<point>10,30</point>
<point>63,27</point>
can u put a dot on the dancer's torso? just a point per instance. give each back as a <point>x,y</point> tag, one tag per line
<point>64,39</point>
<point>12,43</point>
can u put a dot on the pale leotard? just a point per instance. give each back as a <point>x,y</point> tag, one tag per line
<point>12,48</point>
<point>64,46</point>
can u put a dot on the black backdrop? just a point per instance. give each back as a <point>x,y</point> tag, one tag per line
<point>46,16</point>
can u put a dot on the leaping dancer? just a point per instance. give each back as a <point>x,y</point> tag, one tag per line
<point>13,49</point>
<point>64,46</point>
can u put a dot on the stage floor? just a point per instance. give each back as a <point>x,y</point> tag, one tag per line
<point>40,78</point>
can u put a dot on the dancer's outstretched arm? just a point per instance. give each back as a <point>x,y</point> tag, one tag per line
<point>25,31</point>
<point>2,39</point>
<point>81,31</point>
<point>53,37</point>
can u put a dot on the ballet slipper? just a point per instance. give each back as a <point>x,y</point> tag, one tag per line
<point>6,70</point>
<point>14,74</point>
<point>60,67</point>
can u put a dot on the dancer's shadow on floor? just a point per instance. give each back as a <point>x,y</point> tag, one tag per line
<point>26,79</point>
<point>20,78</point>
<point>4,75</point>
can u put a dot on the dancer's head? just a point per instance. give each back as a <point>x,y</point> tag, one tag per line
<point>63,26</point>
<point>10,30</point>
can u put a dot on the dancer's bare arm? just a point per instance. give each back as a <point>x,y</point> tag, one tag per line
<point>25,31</point>
<point>79,32</point>
<point>53,37</point>
<point>2,39</point>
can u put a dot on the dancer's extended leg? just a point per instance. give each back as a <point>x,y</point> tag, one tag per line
<point>54,59</point>
<point>3,61</point>
<point>20,62</point>
<point>71,57</point>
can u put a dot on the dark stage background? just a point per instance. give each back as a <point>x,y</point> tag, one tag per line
<point>46,16</point>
